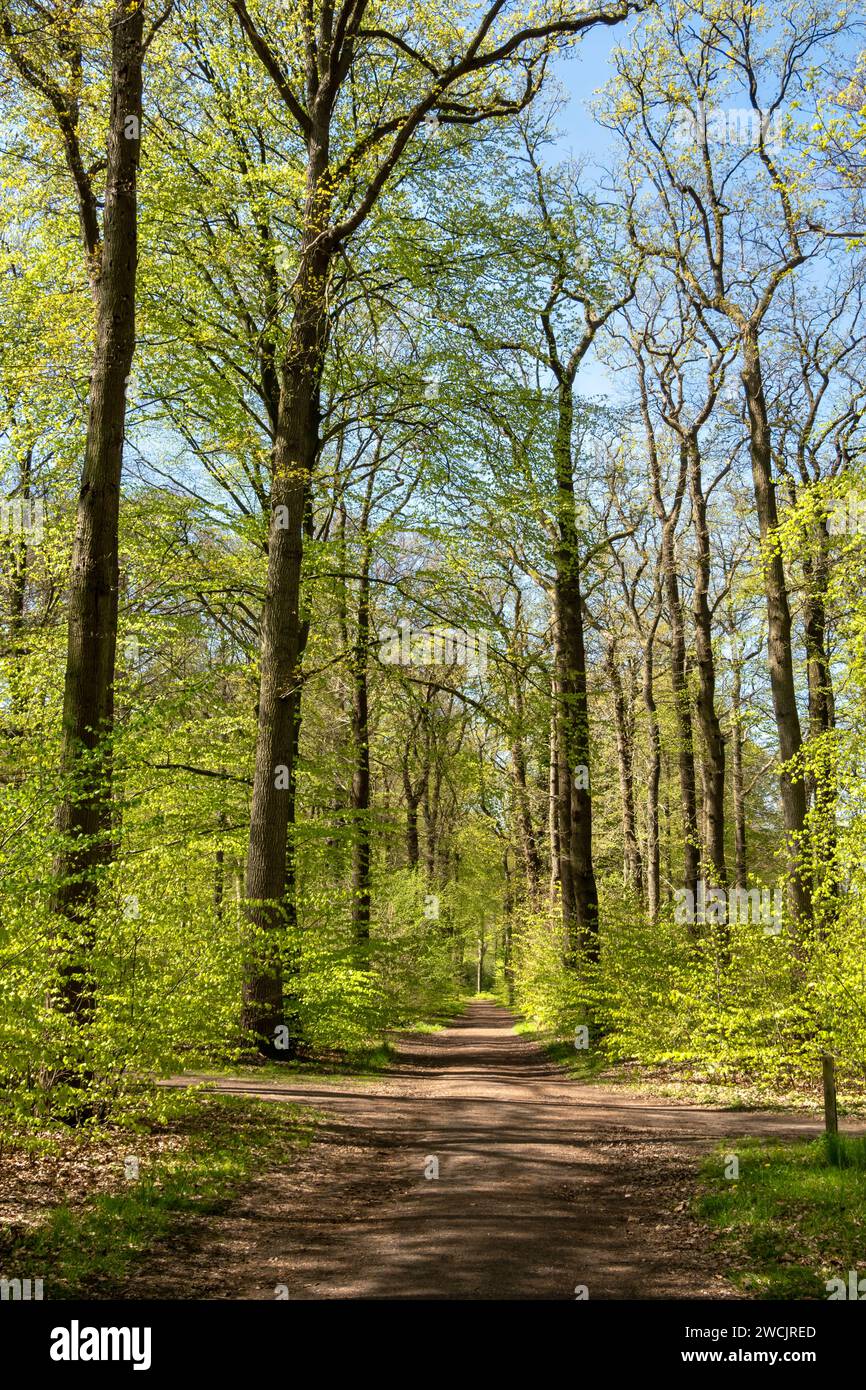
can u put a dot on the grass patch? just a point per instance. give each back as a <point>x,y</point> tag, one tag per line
<point>363,1062</point>
<point>369,1061</point>
<point>442,1017</point>
<point>676,1082</point>
<point>794,1218</point>
<point>582,1064</point>
<point>679,1081</point>
<point>212,1145</point>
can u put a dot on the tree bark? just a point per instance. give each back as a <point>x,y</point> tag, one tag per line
<point>412,839</point>
<point>431,807</point>
<point>708,720</point>
<point>653,857</point>
<point>361,778</point>
<point>822,718</point>
<point>632,857</point>
<point>553,789</point>
<point>84,814</point>
<point>508,931</point>
<point>295,450</point>
<point>522,799</point>
<point>682,710</point>
<point>413,795</point>
<point>667,519</point>
<point>822,704</point>
<point>647,637</point>
<point>780,657</point>
<point>580,895</point>
<point>737,777</point>
<point>529,844</point>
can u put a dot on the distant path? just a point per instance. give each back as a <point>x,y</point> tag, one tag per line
<point>544,1184</point>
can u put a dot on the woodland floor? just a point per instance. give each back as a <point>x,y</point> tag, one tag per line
<point>544,1184</point>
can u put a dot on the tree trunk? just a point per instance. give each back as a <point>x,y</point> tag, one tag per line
<point>413,797</point>
<point>430,808</point>
<point>822,705</point>
<point>18,564</point>
<point>715,868</point>
<point>553,795</point>
<point>579,892</point>
<point>524,819</point>
<point>780,657</point>
<point>633,867</point>
<point>508,931</point>
<point>737,776</point>
<point>522,799</point>
<point>653,872</point>
<point>669,844</point>
<point>84,814</point>
<point>822,718</point>
<point>682,710</point>
<point>219,874</point>
<point>295,450</point>
<point>667,520</point>
<point>412,840</point>
<point>653,867</point>
<point>292,958</point>
<point>361,778</point>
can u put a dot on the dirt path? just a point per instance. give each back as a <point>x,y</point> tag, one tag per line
<point>543,1185</point>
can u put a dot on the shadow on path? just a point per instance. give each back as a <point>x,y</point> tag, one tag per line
<point>543,1185</point>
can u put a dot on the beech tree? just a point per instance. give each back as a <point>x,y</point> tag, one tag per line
<point>354,135</point>
<point>711,196</point>
<point>52,49</point>
<point>413,387</point>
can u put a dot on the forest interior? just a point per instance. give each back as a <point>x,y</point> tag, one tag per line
<point>433,675</point>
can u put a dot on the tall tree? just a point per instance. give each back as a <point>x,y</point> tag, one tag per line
<point>47,47</point>
<point>668,516</point>
<point>713,200</point>
<point>355,132</point>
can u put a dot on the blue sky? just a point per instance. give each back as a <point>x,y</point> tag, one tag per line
<point>581,73</point>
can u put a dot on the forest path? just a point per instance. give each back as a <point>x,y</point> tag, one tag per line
<point>544,1184</point>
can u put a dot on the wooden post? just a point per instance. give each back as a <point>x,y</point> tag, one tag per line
<point>831,1118</point>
